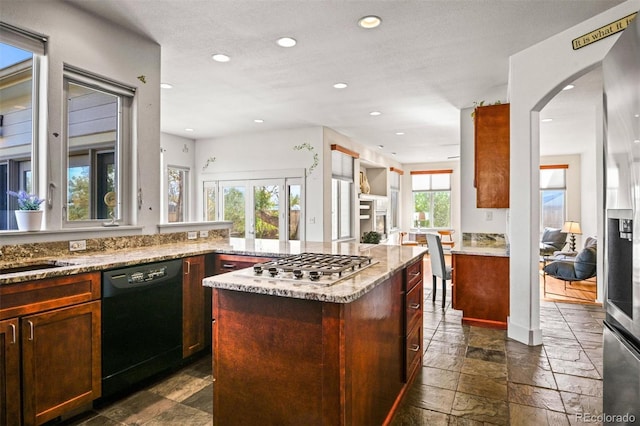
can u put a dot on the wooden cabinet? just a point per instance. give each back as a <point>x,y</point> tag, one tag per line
<point>232,262</point>
<point>491,179</point>
<point>353,356</point>
<point>61,362</point>
<point>194,309</point>
<point>9,372</point>
<point>57,322</point>
<point>481,289</point>
<point>413,309</point>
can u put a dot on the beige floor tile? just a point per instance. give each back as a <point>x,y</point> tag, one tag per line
<point>483,386</point>
<point>480,409</point>
<point>445,379</point>
<point>533,396</point>
<point>480,367</point>
<point>524,415</point>
<point>431,398</point>
<point>579,385</point>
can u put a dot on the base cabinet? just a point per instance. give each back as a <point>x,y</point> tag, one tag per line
<point>288,361</point>
<point>194,309</point>
<point>50,352</point>
<point>9,372</point>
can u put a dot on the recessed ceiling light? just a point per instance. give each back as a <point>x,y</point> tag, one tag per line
<point>188,129</point>
<point>166,86</point>
<point>286,42</point>
<point>374,113</point>
<point>568,87</point>
<point>393,153</point>
<point>370,21</point>
<point>636,141</point>
<point>380,146</point>
<point>220,57</point>
<point>258,120</point>
<point>637,115</point>
<point>546,120</point>
<point>399,133</point>
<point>340,85</point>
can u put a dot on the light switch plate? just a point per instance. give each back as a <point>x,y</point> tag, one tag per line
<point>204,234</point>
<point>192,235</point>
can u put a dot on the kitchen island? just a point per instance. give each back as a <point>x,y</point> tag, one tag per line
<point>291,353</point>
<point>481,285</point>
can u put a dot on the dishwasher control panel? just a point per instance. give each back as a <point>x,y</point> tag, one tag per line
<point>146,275</point>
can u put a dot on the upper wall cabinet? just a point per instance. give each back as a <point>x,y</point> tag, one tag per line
<point>491,177</point>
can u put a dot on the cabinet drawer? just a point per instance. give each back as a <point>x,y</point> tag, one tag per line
<point>413,274</point>
<point>413,352</point>
<point>413,307</point>
<point>229,262</point>
<point>36,296</point>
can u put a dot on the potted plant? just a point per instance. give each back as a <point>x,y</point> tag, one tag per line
<point>371,237</point>
<point>28,215</point>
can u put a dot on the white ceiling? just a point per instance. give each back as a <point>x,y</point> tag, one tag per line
<point>425,62</point>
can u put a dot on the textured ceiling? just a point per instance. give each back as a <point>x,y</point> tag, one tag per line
<point>425,62</point>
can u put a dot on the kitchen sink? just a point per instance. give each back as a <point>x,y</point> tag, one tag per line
<point>29,267</point>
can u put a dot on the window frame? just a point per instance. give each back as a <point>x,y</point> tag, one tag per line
<point>17,169</point>
<point>431,192</point>
<point>562,188</point>
<point>123,151</point>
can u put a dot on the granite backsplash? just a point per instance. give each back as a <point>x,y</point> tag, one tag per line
<point>24,252</point>
<point>479,239</point>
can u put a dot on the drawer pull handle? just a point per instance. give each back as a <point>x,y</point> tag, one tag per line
<point>414,348</point>
<point>30,330</point>
<point>13,333</point>
<point>229,265</point>
<point>414,306</point>
<point>415,274</point>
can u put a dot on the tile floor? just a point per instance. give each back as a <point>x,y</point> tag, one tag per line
<point>470,376</point>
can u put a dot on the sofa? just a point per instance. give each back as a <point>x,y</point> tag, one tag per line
<point>553,239</point>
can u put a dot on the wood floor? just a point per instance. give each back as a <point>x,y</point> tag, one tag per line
<point>574,292</point>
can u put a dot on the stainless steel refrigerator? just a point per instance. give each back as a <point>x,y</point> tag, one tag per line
<point>621,375</point>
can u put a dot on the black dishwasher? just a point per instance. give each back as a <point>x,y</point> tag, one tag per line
<point>141,323</point>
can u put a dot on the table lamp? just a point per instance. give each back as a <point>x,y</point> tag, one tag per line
<point>572,228</point>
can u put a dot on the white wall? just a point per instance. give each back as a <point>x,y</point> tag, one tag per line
<point>472,218</point>
<point>252,153</point>
<point>536,75</point>
<point>177,151</point>
<point>83,41</point>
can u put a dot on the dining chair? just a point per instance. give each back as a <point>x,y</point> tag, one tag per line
<point>438,268</point>
<point>407,242</point>
<point>449,234</point>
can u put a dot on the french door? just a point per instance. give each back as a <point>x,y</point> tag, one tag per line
<point>267,209</point>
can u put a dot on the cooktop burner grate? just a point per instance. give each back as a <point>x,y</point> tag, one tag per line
<point>313,266</point>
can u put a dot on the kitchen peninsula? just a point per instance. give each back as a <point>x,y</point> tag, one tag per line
<point>481,285</point>
<point>292,352</point>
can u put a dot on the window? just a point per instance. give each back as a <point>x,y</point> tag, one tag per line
<point>431,198</point>
<point>21,54</point>
<point>394,199</point>
<point>341,195</point>
<point>553,193</point>
<point>98,144</point>
<point>178,194</point>
<point>268,209</point>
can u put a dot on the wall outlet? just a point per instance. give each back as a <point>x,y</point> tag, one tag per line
<point>77,245</point>
<point>488,215</point>
<point>204,234</point>
<point>192,235</point>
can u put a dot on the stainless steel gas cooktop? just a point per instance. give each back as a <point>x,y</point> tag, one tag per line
<point>312,268</point>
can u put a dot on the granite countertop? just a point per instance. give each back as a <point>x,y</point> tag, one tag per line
<point>481,251</point>
<point>388,260</point>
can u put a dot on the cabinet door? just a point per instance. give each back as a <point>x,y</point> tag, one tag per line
<point>61,361</point>
<point>492,156</point>
<point>9,373</point>
<point>193,306</point>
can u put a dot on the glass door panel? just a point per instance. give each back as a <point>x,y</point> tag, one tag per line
<point>233,207</point>
<point>295,210</point>
<point>266,203</point>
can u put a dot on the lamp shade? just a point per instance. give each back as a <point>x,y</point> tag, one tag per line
<point>571,228</point>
